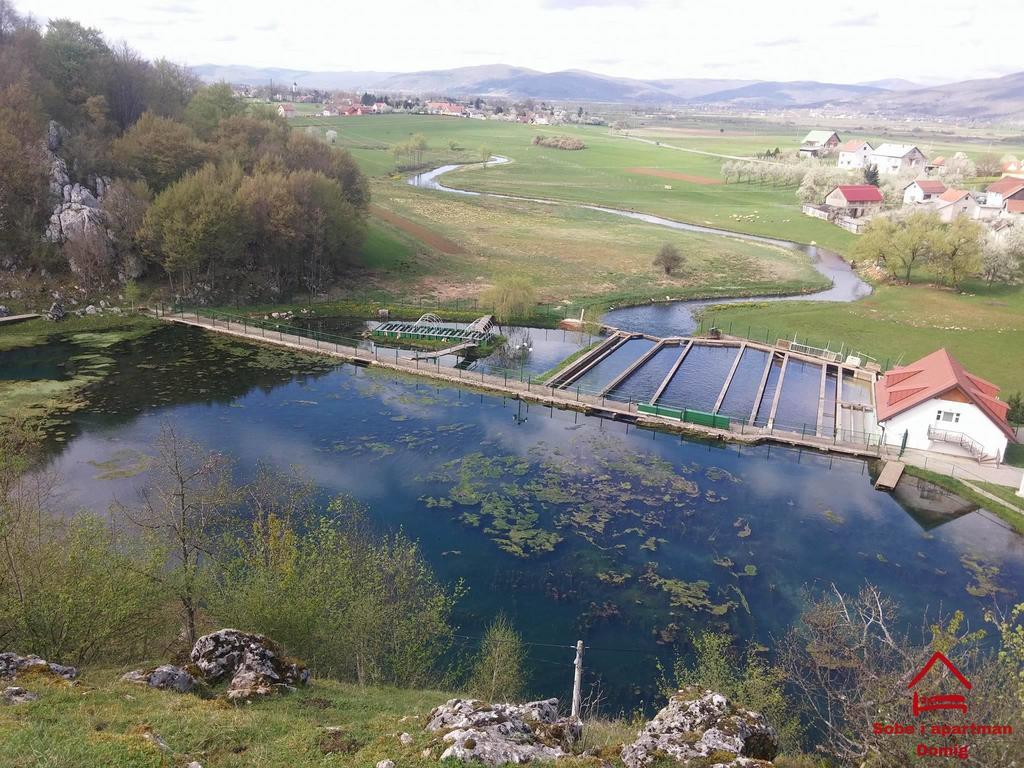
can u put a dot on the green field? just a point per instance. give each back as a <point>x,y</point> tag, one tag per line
<point>983,328</point>
<point>576,255</point>
<point>103,722</point>
<point>600,174</point>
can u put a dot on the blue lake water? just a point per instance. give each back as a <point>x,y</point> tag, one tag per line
<point>700,378</point>
<point>576,527</point>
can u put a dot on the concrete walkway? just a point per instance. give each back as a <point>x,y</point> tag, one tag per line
<point>964,468</point>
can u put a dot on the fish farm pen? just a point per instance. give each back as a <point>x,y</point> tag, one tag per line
<point>432,328</point>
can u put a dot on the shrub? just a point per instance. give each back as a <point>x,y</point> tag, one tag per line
<point>559,142</point>
<point>498,671</point>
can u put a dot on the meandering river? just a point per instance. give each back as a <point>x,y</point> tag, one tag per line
<point>677,317</point>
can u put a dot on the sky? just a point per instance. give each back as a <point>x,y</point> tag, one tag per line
<point>844,41</point>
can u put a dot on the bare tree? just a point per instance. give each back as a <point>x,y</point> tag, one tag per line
<point>669,258</point>
<point>183,512</point>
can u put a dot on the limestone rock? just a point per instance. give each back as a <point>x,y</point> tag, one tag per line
<point>257,665</point>
<point>705,725</point>
<point>55,312</point>
<point>4,311</point>
<point>386,764</point>
<point>14,694</point>
<point>11,664</point>
<point>164,677</point>
<point>405,739</point>
<point>496,734</point>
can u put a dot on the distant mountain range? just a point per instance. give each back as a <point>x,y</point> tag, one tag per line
<point>994,98</point>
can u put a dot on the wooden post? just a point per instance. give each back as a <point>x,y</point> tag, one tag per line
<point>577,682</point>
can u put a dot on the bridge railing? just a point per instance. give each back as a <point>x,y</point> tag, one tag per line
<point>510,379</point>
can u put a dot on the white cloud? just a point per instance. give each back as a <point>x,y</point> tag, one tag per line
<point>852,42</point>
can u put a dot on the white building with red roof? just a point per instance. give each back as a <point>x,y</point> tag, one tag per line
<point>935,404</point>
<point>854,154</point>
<point>922,190</point>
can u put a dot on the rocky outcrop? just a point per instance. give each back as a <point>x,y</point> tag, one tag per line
<point>12,665</point>
<point>166,677</point>
<point>76,212</point>
<point>256,664</point>
<point>705,727</point>
<point>499,734</point>
<point>14,694</point>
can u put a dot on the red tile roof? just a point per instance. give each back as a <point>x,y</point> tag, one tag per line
<point>853,145</point>
<point>860,193</point>
<point>953,195</point>
<point>932,376</point>
<point>1006,186</point>
<point>929,186</point>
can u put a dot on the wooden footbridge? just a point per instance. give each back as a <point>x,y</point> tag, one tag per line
<point>555,393</point>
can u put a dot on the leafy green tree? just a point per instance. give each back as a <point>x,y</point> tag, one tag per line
<point>24,189</point>
<point>871,175</point>
<point>1015,414</point>
<point>76,60</point>
<point>194,228</point>
<point>171,88</point>
<point>959,251</point>
<point>308,153</point>
<point>511,298</point>
<point>158,150</point>
<point>247,139</point>
<point>901,244</point>
<point>497,674</point>
<point>668,258</point>
<point>209,105</point>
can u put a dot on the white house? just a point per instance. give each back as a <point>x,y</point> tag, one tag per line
<point>922,190</point>
<point>895,158</point>
<point>818,143</point>
<point>954,203</point>
<point>854,153</point>
<point>998,193</point>
<point>286,110</point>
<point>934,404</point>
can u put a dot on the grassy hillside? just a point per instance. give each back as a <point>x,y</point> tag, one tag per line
<point>104,722</point>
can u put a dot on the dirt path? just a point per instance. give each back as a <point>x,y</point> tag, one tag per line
<point>423,234</point>
<point>673,175</point>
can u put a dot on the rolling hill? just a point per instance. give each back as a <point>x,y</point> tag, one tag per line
<point>987,99</point>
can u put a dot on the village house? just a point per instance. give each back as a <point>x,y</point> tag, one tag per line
<point>1013,168</point>
<point>445,108</point>
<point>855,200</point>
<point>935,404</point>
<point>854,154</point>
<point>286,110</point>
<point>922,190</point>
<point>954,203</point>
<point>896,158</point>
<point>819,143</point>
<point>380,108</point>
<point>998,193</point>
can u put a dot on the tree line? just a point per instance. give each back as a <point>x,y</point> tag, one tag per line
<point>193,184</point>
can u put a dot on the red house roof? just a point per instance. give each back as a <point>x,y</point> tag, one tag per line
<point>1015,206</point>
<point>952,195</point>
<point>933,376</point>
<point>1006,186</point>
<point>853,145</point>
<point>860,193</point>
<point>929,186</point>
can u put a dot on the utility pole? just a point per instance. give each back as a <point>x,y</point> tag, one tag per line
<point>577,682</point>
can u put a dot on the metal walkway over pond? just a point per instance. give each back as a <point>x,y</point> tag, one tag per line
<point>432,328</point>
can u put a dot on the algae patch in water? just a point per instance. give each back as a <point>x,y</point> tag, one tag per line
<point>123,464</point>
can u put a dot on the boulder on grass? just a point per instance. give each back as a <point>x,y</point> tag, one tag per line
<point>706,727</point>
<point>499,734</point>
<point>14,694</point>
<point>166,677</point>
<point>11,665</point>
<point>256,664</point>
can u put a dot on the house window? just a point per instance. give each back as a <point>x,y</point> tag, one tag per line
<point>950,417</point>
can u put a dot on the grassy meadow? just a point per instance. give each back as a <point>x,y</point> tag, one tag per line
<point>577,255</point>
<point>104,722</point>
